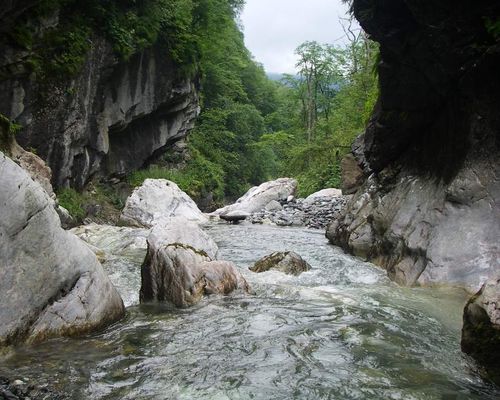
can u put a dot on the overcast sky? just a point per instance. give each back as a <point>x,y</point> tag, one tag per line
<point>274,28</point>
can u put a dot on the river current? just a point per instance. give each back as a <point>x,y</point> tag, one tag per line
<point>339,331</point>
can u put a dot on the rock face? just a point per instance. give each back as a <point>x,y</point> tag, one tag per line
<point>288,262</point>
<point>111,118</point>
<point>180,266</point>
<point>51,283</point>
<point>258,197</point>
<point>429,211</point>
<point>156,199</point>
<point>481,329</point>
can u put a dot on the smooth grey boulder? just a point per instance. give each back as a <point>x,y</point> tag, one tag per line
<point>51,283</point>
<point>258,197</point>
<point>481,328</point>
<point>288,262</point>
<point>156,199</point>
<point>424,231</point>
<point>180,266</point>
<point>273,205</point>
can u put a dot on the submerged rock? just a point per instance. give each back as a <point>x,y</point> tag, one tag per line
<point>51,284</point>
<point>288,262</point>
<point>481,329</point>
<point>180,265</point>
<point>156,199</point>
<point>258,197</point>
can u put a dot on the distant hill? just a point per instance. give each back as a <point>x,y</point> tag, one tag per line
<point>274,76</point>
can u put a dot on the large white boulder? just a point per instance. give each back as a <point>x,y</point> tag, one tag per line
<point>325,194</point>
<point>156,199</point>
<point>51,283</point>
<point>258,197</point>
<point>180,266</point>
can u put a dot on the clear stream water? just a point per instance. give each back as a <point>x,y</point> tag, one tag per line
<point>339,331</point>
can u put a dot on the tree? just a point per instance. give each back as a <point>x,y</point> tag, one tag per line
<point>318,75</point>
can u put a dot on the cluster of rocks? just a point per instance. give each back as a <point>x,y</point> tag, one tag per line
<point>316,214</point>
<point>274,202</point>
<point>20,390</point>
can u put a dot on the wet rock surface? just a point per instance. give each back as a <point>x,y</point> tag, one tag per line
<point>18,389</point>
<point>181,267</point>
<point>481,329</point>
<point>288,262</point>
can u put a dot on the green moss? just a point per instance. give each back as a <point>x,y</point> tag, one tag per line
<point>188,247</point>
<point>8,129</point>
<point>72,201</point>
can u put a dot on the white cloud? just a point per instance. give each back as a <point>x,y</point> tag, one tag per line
<point>274,28</point>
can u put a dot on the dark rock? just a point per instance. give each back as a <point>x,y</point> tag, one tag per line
<point>234,216</point>
<point>429,212</point>
<point>111,118</point>
<point>20,390</point>
<point>288,262</point>
<point>352,174</point>
<point>481,329</point>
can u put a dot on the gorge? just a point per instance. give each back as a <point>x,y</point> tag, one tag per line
<point>105,97</point>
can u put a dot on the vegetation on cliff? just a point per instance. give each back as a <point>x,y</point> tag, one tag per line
<point>253,129</point>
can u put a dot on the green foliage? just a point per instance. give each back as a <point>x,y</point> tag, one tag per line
<point>8,129</point>
<point>199,178</point>
<point>129,25</point>
<point>312,152</point>
<point>72,201</point>
<point>493,27</point>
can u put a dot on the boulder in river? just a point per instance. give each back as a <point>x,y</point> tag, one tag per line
<point>481,328</point>
<point>288,262</point>
<point>258,197</point>
<point>51,283</point>
<point>156,199</point>
<point>180,265</point>
<point>235,216</point>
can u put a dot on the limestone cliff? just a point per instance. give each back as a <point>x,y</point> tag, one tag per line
<point>429,209</point>
<point>112,116</point>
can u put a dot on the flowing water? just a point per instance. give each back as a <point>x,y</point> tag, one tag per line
<point>339,331</point>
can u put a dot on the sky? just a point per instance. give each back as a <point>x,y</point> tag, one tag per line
<point>274,28</point>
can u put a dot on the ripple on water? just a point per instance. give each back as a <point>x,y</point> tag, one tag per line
<point>339,331</point>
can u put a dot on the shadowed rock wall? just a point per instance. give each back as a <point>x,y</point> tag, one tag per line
<point>429,210</point>
<point>111,118</point>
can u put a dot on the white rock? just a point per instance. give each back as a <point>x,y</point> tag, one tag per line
<point>51,283</point>
<point>323,194</point>
<point>258,197</point>
<point>156,199</point>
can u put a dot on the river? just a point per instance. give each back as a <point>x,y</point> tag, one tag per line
<point>339,331</point>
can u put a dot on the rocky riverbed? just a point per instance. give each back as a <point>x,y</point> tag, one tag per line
<point>316,214</point>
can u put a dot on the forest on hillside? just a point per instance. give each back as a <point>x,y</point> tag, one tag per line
<point>252,128</point>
